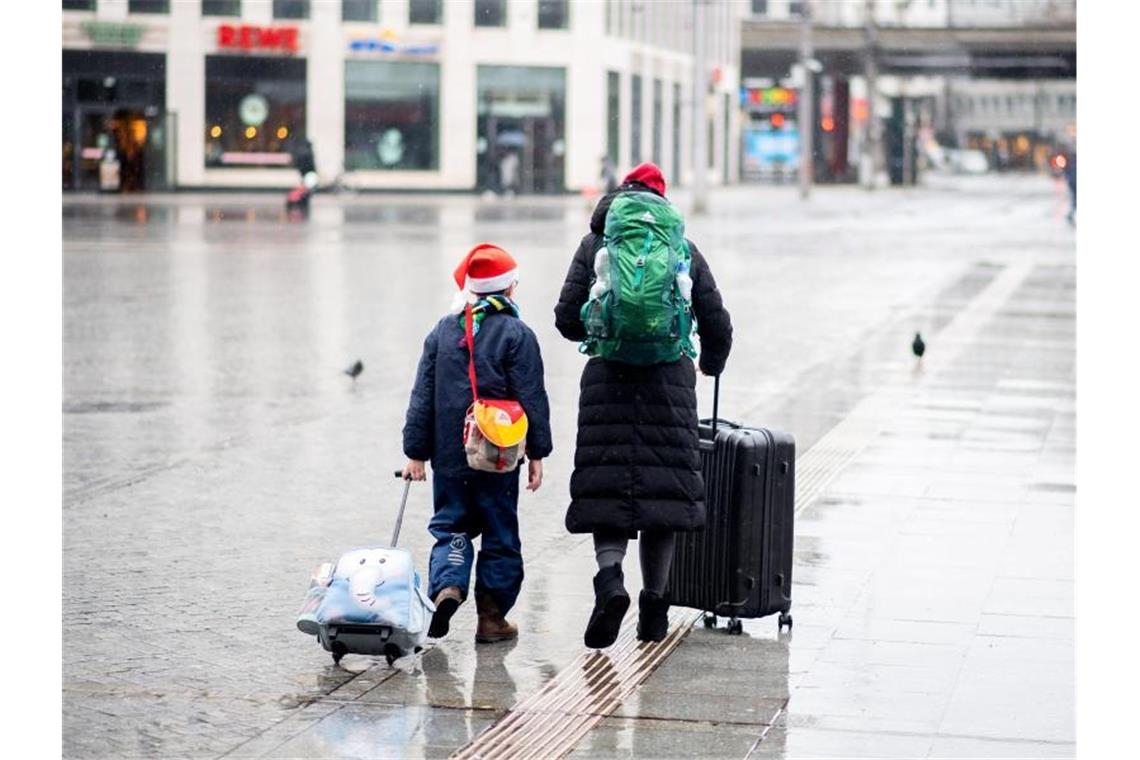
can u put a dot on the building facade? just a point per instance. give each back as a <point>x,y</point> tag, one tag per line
<point>993,75</point>
<point>394,94</point>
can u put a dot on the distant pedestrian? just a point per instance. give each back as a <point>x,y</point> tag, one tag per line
<point>637,465</point>
<point>472,502</point>
<point>1071,180</point>
<point>509,172</point>
<point>609,174</point>
<point>304,159</point>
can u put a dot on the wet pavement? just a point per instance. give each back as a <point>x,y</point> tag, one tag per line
<point>214,453</point>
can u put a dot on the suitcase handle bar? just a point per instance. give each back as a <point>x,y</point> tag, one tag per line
<point>403,503</point>
<point>716,403</point>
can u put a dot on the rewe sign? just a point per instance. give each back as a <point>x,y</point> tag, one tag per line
<point>247,37</point>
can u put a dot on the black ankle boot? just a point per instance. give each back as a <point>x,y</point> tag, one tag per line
<point>653,617</point>
<point>610,604</point>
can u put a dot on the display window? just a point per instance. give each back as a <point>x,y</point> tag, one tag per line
<point>391,115</point>
<point>255,110</point>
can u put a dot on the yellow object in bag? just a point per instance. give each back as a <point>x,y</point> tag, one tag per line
<point>503,423</point>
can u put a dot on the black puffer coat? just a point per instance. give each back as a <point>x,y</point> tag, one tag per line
<point>637,465</point>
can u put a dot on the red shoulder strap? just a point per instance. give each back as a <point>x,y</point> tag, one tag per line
<point>471,352</point>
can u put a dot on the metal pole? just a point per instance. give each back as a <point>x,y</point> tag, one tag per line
<point>871,157</point>
<point>806,104</point>
<point>700,110</point>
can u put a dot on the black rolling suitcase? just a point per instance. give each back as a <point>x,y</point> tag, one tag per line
<point>740,565</point>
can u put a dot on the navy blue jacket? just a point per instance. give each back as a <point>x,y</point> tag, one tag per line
<point>508,365</point>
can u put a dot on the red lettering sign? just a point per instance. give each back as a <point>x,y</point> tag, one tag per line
<point>269,38</point>
<point>289,39</point>
<point>246,37</point>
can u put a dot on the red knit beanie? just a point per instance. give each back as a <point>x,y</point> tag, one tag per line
<point>486,268</point>
<point>649,175</point>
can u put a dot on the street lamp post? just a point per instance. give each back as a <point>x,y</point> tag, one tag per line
<point>700,108</point>
<point>807,100</point>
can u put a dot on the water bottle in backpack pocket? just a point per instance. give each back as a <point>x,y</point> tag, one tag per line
<point>639,310</point>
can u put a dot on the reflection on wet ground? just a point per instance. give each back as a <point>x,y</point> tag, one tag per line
<point>211,439</point>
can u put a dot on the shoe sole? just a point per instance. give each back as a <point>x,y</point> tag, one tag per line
<point>604,631</point>
<point>492,639</point>
<point>441,620</point>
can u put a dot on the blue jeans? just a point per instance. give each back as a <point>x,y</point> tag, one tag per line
<point>466,507</point>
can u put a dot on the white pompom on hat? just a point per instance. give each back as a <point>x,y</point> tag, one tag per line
<point>486,268</point>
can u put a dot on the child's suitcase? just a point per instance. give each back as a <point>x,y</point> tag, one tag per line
<point>370,601</point>
<point>740,565</point>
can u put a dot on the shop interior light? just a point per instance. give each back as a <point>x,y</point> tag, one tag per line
<point>215,131</point>
<point>282,133</point>
<point>827,123</point>
<point>250,133</point>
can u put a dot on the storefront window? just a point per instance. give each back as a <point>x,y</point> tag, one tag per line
<point>391,115</point>
<point>255,110</point>
<point>79,5</point>
<point>424,11</point>
<point>553,14</point>
<point>635,118</point>
<point>676,178</point>
<point>290,8</point>
<point>490,12</point>
<point>148,6</point>
<point>521,143</point>
<point>657,125</point>
<point>221,7</point>
<point>613,114</point>
<point>359,10</point>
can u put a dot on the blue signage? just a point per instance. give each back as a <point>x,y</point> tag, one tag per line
<point>380,45</point>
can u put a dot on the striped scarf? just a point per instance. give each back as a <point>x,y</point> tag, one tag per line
<point>484,306</point>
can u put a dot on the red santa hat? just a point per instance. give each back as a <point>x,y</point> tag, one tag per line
<point>486,268</point>
<point>649,175</point>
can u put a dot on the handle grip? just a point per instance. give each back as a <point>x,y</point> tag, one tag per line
<point>403,503</point>
<point>716,403</point>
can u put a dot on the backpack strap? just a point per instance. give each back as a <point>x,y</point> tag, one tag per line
<point>469,329</point>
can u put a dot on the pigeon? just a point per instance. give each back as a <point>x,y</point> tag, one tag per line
<point>918,346</point>
<point>355,370</point>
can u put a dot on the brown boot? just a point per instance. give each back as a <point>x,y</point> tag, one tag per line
<point>447,601</point>
<point>492,626</point>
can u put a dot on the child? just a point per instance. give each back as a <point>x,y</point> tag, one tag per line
<point>508,365</point>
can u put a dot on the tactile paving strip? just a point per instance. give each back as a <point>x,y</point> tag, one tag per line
<point>553,720</point>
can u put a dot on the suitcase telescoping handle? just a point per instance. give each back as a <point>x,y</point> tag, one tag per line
<point>716,403</point>
<point>403,503</point>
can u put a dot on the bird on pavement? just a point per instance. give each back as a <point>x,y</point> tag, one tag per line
<point>918,346</point>
<point>355,370</point>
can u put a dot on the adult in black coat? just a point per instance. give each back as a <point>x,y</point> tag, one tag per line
<point>637,463</point>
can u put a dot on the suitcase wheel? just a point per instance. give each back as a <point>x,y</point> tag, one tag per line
<point>338,650</point>
<point>735,627</point>
<point>785,620</point>
<point>710,620</point>
<point>391,653</point>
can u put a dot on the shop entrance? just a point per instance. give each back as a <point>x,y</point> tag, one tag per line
<point>126,137</point>
<point>116,133</point>
<point>521,122</point>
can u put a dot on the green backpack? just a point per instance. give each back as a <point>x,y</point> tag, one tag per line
<point>640,305</point>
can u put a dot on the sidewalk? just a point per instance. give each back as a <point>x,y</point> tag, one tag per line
<point>933,579</point>
<point>933,582</point>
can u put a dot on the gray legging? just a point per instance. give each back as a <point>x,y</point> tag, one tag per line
<point>655,548</point>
